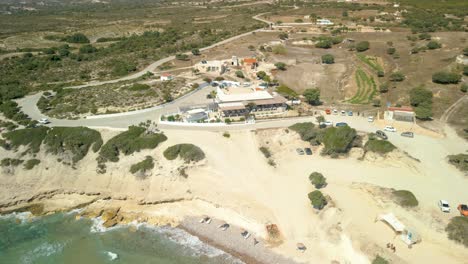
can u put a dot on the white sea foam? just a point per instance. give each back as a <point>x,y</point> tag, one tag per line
<point>75,211</point>
<point>112,255</point>
<point>23,217</point>
<point>43,250</point>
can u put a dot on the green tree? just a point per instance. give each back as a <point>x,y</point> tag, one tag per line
<point>318,180</point>
<point>446,77</point>
<point>328,59</point>
<point>391,51</point>
<point>433,45</point>
<point>87,49</point>
<point>397,77</point>
<point>196,52</point>
<point>239,74</point>
<point>324,44</point>
<point>317,199</point>
<point>76,38</point>
<point>384,87</point>
<point>312,96</point>
<point>280,66</point>
<point>182,57</point>
<point>464,87</point>
<point>283,36</point>
<point>362,46</point>
<point>379,260</point>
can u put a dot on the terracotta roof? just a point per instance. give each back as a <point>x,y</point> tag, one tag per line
<point>401,109</point>
<point>166,74</point>
<point>250,60</point>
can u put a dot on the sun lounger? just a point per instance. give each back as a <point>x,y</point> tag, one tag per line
<point>301,247</point>
<point>245,234</point>
<point>224,226</point>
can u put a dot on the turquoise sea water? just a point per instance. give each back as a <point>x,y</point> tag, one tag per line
<point>60,238</point>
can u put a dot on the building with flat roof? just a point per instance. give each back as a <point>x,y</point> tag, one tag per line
<point>324,22</point>
<point>404,113</point>
<point>240,101</point>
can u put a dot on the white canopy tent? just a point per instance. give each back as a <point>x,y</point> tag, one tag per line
<point>408,235</point>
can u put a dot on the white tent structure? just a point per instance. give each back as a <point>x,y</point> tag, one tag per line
<point>408,235</point>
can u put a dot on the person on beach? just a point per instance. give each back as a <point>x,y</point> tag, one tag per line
<point>255,241</point>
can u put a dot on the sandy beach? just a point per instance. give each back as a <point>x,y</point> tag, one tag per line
<point>236,184</point>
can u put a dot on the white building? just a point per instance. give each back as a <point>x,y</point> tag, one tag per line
<point>214,66</point>
<point>324,22</point>
<point>166,77</point>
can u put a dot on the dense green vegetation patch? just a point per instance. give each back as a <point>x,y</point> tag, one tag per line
<point>460,161</point>
<point>30,137</point>
<point>318,180</point>
<point>370,61</point>
<point>8,162</point>
<point>317,199</point>
<point>30,164</point>
<point>307,131</point>
<point>74,140</point>
<point>457,230</point>
<point>421,100</point>
<point>128,142</point>
<point>143,166</point>
<point>379,260</point>
<point>265,151</point>
<point>187,152</point>
<point>379,146</point>
<point>338,140</point>
<point>286,91</point>
<point>405,198</point>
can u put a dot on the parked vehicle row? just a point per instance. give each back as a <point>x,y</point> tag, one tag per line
<point>445,207</point>
<point>307,151</point>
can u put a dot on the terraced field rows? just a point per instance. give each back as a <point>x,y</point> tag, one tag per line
<point>366,88</point>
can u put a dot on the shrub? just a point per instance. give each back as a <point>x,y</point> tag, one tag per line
<point>142,166</point>
<point>383,87</point>
<point>362,46</point>
<point>280,66</point>
<point>226,135</point>
<point>239,74</point>
<point>196,52</point>
<point>279,49</point>
<point>324,44</point>
<point>338,140</point>
<point>464,88</point>
<point>182,57</point>
<point>397,77</point>
<point>376,102</point>
<point>446,77</point>
<point>424,36</point>
<point>328,59</point>
<point>379,260</point>
<point>266,152</point>
<point>74,140</point>
<point>286,91</point>
<point>379,146</point>
<point>307,132</point>
<point>457,230</point>
<point>380,73</point>
<point>433,45</point>
<point>318,180</point>
<point>283,36</point>
<point>87,49</point>
<point>465,70</point>
<point>227,121</point>
<point>187,152</point>
<point>391,51</point>
<point>460,161</point>
<point>31,137</point>
<point>405,198</point>
<point>30,164</point>
<point>76,38</point>
<point>128,142</point>
<point>317,199</point>
<point>312,96</point>
<point>7,162</point>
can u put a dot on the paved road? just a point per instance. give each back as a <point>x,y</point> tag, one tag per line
<point>121,120</point>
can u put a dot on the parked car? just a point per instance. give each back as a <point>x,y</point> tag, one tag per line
<point>463,209</point>
<point>390,129</point>
<point>300,151</point>
<point>328,123</point>
<point>327,111</point>
<point>335,112</point>
<point>308,151</point>
<point>407,134</point>
<point>343,112</point>
<point>350,113</point>
<point>370,119</point>
<point>381,134</point>
<point>43,121</point>
<point>444,206</point>
<point>341,124</point>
